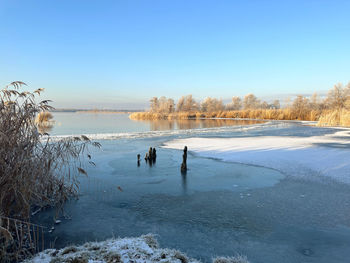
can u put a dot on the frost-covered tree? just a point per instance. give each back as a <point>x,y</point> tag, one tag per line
<point>180,104</point>
<point>250,101</point>
<point>154,105</point>
<point>162,105</point>
<point>170,105</point>
<point>300,106</point>
<point>190,104</point>
<point>211,105</point>
<point>315,102</point>
<point>338,96</point>
<point>186,103</point>
<point>236,104</point>
<point>264,105</point>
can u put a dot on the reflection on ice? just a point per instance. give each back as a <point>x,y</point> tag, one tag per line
<point>161,125</point>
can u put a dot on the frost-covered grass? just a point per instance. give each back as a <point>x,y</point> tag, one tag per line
<point>235,259</point>
<point>140,249</point>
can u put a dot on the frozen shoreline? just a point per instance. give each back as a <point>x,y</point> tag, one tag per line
<point>139,249</point>
<point>326,155</point>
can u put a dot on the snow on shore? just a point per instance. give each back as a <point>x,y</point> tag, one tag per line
<point>326,155</point>
<point>140,249</point>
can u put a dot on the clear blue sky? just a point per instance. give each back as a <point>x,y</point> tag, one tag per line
<point>118,54</point>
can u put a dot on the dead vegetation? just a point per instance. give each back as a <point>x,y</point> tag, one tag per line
<point>35,171</point>
<point>140,249</point>
<point>333,110</point>
<point>44,121</point>
<point>259,114</point>
<point>235,259</point>
<point>19,239</point>
<point>44,116</point>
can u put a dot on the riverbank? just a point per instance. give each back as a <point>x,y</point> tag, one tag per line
<point>263,114</point>
<point>140,249</point>
<point>323,118</point>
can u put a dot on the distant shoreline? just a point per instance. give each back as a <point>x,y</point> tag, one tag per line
<point>95,111</point>
<point>260,114</point>
<point>333,118</point>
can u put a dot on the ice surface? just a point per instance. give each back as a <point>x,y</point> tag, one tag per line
<point>220,208</point>
<point>326,155</point>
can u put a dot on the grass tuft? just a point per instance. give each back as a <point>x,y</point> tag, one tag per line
<point>181,257</point>
<point>235,259</point>
<point>69,250</point>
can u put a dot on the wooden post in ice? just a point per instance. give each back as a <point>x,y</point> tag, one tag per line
<point>150,153</point>
<point>154,155</point>
<point>184,161</point>
<point>138,159</point>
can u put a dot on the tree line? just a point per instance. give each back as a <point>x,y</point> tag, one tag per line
<point>337,98</point>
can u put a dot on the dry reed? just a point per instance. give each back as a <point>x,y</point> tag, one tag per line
<point>335,118</point>
<point>263,114</point>
<point>35,171</point>
<point>44,121</point>
<point>43,116</point>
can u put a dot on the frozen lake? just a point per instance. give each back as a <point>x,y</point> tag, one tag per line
<point>239,205</point>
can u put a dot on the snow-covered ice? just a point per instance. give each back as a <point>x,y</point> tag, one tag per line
<point>326,155</point>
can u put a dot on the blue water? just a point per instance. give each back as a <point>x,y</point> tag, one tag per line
<point>102,123</point>
<point>217,208</point>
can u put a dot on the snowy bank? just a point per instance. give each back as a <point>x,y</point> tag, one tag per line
<point>141,249</point>
<point>326,155</point>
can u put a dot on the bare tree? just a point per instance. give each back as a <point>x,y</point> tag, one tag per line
<point>236,104</point>
<point>264,105</point>
<point>315,102</point>
<point>211,105</point>
<point>154,105</point>
<point>171,105</point>
<point>187,103</point>
<point>162,105</point>
<point>300,106</point>
<point>180,104</point>
<point>250,102</point>
<point>337,96</point>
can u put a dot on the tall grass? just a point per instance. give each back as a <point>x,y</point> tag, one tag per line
<point>35,170</point>
<point>335,118</point>
<point>264,114</point>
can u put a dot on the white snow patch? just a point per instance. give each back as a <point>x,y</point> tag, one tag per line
<point>194,131</point>
<point>326,155</point>
<point>140,249</point>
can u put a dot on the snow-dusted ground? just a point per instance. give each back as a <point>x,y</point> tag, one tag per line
<point>141,249</point>
<point>326,155</point>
